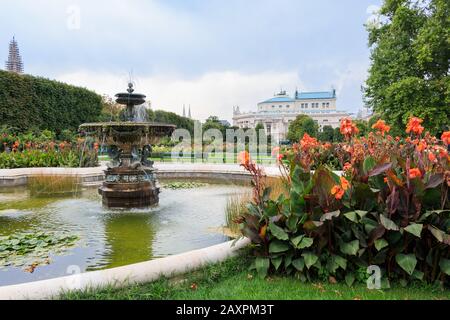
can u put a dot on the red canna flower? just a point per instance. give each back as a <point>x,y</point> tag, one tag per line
<point>308,142</point>
<point>446,137</point>
<point>414,126</point>
<point>348,128</point>
<point>415,173</point>
<point>244,158</point>
<point>347,166</point>
<point>422,145</point>
<point>327,145</point>
<point>344,183</point>
<point>431,157</point>
<point>381,126</point>
<point>338,192</point>
<point>280,156</point>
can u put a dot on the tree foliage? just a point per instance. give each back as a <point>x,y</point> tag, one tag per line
<point>409,73</point>
<point>301,125</point>
<point>28,102</point>
<point>171,118</point>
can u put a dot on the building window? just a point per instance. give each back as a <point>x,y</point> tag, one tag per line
<point>280,106</point>
<point>306,105</point>
<point>288,106</point>
<point>273,106</point>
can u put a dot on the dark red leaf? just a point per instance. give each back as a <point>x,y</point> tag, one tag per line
<point>435,180</point>
<point>380,169</point>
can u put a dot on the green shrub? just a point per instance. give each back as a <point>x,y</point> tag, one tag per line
<point>31,102</point>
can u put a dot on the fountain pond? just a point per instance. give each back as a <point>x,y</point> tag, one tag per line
<point>51,235</point>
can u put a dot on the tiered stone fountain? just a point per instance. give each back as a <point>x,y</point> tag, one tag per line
<point>130,177</point>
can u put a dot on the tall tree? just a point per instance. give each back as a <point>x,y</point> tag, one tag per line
<point>410,53</point>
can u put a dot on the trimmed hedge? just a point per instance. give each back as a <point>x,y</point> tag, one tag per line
<point>28,102</point>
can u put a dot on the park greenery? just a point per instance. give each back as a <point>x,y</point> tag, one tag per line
<point>389,208</point>
<point>29,103</point>
<point>410,54</point>
<point>231,280</point>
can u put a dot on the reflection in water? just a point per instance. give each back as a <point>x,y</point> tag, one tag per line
<point>129,238</point>
<point>109,238</point>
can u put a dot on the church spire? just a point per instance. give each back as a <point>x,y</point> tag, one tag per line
<point>189,115</point>
<point>14,63</point>
<point>184,110</point>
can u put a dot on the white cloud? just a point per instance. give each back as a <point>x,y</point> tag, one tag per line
<point>213,93</point>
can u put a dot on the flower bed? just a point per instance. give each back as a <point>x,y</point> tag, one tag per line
<point>389,208</point>
<point>29,154</point>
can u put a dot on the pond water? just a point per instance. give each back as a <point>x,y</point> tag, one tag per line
<point>184,220</point>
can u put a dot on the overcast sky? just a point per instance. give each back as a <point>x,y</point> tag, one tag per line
<point>209,54</point>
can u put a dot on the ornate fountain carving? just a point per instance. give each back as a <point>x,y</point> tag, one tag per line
<point>130,177</point>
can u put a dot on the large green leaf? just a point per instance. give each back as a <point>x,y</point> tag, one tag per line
<point>302,242</point>
<point>388,223</point>
<point>277,246</point>
<point>310,259</point>
<point>299,264</point>
<point>351,216</point>
<point>368,164</point>
<point>407,262</point>
<point>350,248</point>
<point>445,266</point>
<point>277,262</point>
<point>278,232</point>
<point>262,266</point>
<point>349,279</point>
<point>380,244</point>
<point>415,229</point>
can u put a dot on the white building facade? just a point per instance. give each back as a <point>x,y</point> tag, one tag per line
<point>278,112</point>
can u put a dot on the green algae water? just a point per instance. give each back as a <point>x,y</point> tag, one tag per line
<point>184,220</point>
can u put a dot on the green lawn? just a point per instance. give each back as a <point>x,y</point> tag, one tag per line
<point>232,280</point>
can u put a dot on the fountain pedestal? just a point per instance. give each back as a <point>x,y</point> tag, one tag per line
<point>129,188</point>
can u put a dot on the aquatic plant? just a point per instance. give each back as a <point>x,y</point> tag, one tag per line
<point>30,250</point>
<point>53,184</point>
<point>183,185</point>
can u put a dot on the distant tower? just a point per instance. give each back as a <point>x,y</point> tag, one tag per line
<point>14,63</point>
<point>189,115</point>
<point>184,111</point>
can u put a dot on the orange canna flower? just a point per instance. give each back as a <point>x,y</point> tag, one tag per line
<point>338,192</point>
<point>347,166</point>
<point>275,151</point>
<point>244,158</point>
<point>61,146</point>
<point>348,128</point>
<point>308,142</point>
<point>385,180</point>
<point>415,173</point>
<point>414,126</point>
<point>421,145</point>
<point>327,145</point>
<point>381,126</point>
<point>280,156</point>
<point>431,157</point>
<point>446,137</point>
<point>344,183</point>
